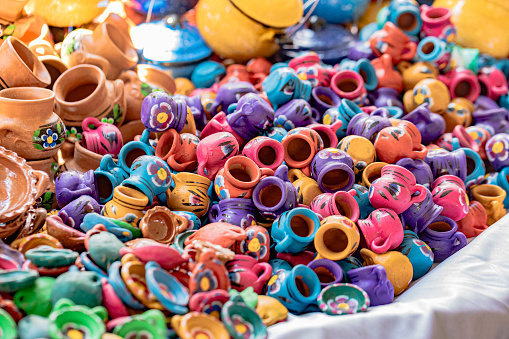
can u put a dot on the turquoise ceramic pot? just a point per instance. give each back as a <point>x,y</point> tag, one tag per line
<point>339,11</point>
<point>419,254</point>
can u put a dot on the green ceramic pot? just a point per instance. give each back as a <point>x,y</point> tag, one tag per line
<point>71,321</point>
<point>241,321</point>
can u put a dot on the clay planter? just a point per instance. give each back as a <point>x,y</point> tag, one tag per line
<point>19,66</point>
<point>28,125</point>
<point>83,91</point>
<point>162,225</point>
<point>140,82</point>
<point>84,160</point>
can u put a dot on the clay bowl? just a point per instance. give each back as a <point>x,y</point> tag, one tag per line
<point>20,186</point>
<point>162,225</point>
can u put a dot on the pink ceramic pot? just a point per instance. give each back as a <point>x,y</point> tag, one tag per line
<point>213,151</point>
<point>220,124</point>
<point>436,21</point>
<point>245,271</point>
<point>101,137</point>
<point>450,193</point>
<point>339,203</point>
<point>382,230</point>
<point>327,133</point>
<point>349,85</point>
<point>462,83</point>
<point>493,82</point>
<point>474,223</point>
<point>265,152</point>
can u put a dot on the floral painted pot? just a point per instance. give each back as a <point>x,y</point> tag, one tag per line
<point>294,230</point>
<point>295,113</point>
<point>265,152</point>
<point>242,321</point>
<point>301,145</point>
<point>435,51</point>
<point>436,21</point>
<point>475,222</point>
<point>256,245</point>
<point>450,193</point>
<point>418,252</point>
<point>419,215</point>
<point>209,274</point>
<point>481,137</point>
<point>160,112</point>
<point>209,302</point>
<point>127,205</point>
<point>213,151</point>
<point>189,193</point>
<point>497,149</point>
<point>337,238</point>
<point>443,238</point>
<point>167,289</point>
<point>339,203</point>
<point>68,319</point>
<point>373,280</point>
<point>235,211</point>
<point>341,299</point>
<point>382,230</point>
<point>492,198</point>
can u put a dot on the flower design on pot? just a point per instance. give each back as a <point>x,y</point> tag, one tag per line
<point>343,304</point>
<point>206,281</point>
<point>283,121</point>
<point>497,149</point>
<point>221,190</point>
<point>254,245</point>
<point>160,175</point>
<point>73,330</point>
<point>249,220</point>
<point>422,94</point>
<point>214,309</point>
<point>49,136</point>
<point>274,284</point>
<point>242,327</point>
<point>74,134</point>
<point>424,248</point>
<point>161,116</point>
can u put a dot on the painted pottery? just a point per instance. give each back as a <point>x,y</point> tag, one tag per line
<point>340,299</point>
<point>209,302</point>
<point>74,212</point>
<point>122,230</point>
<point>83,91</point>
<point>103,247</point>
<point>386,97</point>
<point>493,82</point>
<point>494,120</point>
<point>108,176</point>
<point>418,252</point>
<point>160,112</point>
<point>133,150</point>
<point>271,310</point>
<point>83,160</point>
<point>294,230</point>
<point>265,152</point>
<point>443,238</point>
<point>218,233</point>
<point>256,244</point>
<point>420,170</point>
<point>436,22</point>
<point>364,68</point>
<point>497,149</point>
<point>307,188</point>
<point>283,85</point>
<point>475,222</point>
<point>307,65</point>
<point>382,230</point>
<point>322,98</point>
<point>229,94</point>
<point>372,172</point>
<point>327,133</point>
<point>295,113</point>
<point>393,41</point>
<point>68,318</point>
<point>492,198</point>
<point>166,257</point>
<point>333,170</point>
<point>443,162</point>
<point>419,215</point>
<point>213,151</point>
<point>462,83</point>
<point>83,288</point>
<point>373,280</point>
<point>429,124</point>
<point>178,150</point>
<point>386,74</point>
<point>101,138</point>
<point>450,193</point>
<point>71,185</point>
<point>116,281</point>
<point>349,85</point>
<point>327,271</point>
<point>337,238</point>
<point>189,193</point>
<point>167,290</point>
<point>127,205</point>
<point>47,256</point>
<point>435,51</point>
<point>209,274</point>
<point>344,113</point>
<point>151,323</point>
<point>162,225</point>
<point>368,126</point>
<point>362,198</point>
<point>430,91</point>
<point>301,145</point>
<point>339,203</point>
<point>235,211</point>
<point>241,320</point>
<point>245,271</point>
<point>16,279</point>
<point>194,324</point>
<point>481,137</point>
<point>413,73</point>
<point>401,141</point>
<point>252,115</point>
<point>276,133</point>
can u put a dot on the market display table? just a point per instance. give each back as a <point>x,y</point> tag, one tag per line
<point>466,296</point>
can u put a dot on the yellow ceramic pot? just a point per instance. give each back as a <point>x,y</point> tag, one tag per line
<point>337,238</point>
<point>371,173</point>
<point>196,325</point>
<point>189,193</point>
<point>360,149</point>
<point>398,267</point>
<point>127,205</point>
<point>459,112</point>
<point>184,86</point>
<point>270,310</point>
<point>432,91</point>
<point>481,24</point>
<point>66,13</point>
<point>307,188</point>
<point>492,198</point>
<point>413,73</point>
<point>244,29</point>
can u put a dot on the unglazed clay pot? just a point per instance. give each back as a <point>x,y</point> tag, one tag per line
<point>337,238</point>
<point>84,160</point>
<point>83,91</point>
<point>28,126</point>
<point>189,193</point>
<point>20,67</point>
<point>55,67</point>
<point>162,225</point>
<point>492,198</point>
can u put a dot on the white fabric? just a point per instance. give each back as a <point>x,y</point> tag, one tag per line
<point>466,296</point>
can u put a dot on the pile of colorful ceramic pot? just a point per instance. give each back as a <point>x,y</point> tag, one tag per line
<point>211,208</point>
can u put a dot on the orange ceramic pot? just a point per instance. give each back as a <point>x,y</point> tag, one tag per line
<point>398,142</point>
<point>189,193</point>
<point>391,40</point>
<point>413,73</point>
<point>386,74</point>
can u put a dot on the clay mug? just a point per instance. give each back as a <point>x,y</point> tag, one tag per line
<point>307,188</point>
<point>245,271</point>
<point>349,85</point>
<point>431,91</point>
<point>162,225</point>
<point>449,192</point>
<point>20,67</point>
<point>401,141</point>
<point>328,271</point>
<point>178,150</point>
<point>337,238</point>
<point>265,152</point>
<point>327,133</point>
<point>256,244</point>
<point>189,193</point>
<point>418,252</point>
<point>493,82</point>
<point>301,145</point>
<point>238,178</point>
<point>443,162</point>
<point>369,125</point>
<point>213,151</point>
<point>386,74</point>
<point>296,288</point>
<point>134,149</point>
<point>492,198</point>
<point>344,113</point>
<point>373,279</point>
<point>108,176</point>
<point>476,169</point>
<point>333,170</point>
<point>294,230</point>
<point>413,73</point>
<point>339,203</point>
<point>360,149</point>
<point>462,83</point>
<point>419,215</point>
<point>435,51</point>
<point>70,185</point>
<point>29,127</point>
<point>436,21</point>
<point>475,222</point>
<point>276,133</point>
<point>372,172</point>
<point>397,266</point>
<point>101,138</point>
<point>382,230</point>
<point>430,125</point>
<point>322,98</point>
<point>396,189</point>
<point>235,73</point>
<point>392,41</point>
<point>74,212</point>
<point>236,211</point>
<point>295,113</point>
<point>497,149</point>
<point>127,205</point>
<point>275,194</point>
<point>250,116</point>
<point>420,170</point>
<point>443,238</point>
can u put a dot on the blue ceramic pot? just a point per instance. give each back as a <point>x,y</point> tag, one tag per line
<point>419,254</point>
<point>345,112</point>
<point>108,176</point>
<point>347,265</point>
<point>276,133</point>
<point>406,15</point>
<point>283,85</point>
<point>475,165</point>
<point>207,73</point>
<point>193,222</point>
<point>362,198</point>
<point>134,149</point>
<point>166,289</point>
<point>294,230</point>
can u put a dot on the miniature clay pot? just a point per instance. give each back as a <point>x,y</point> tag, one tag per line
<point>419,215</point>
<point>193,324</point>
<point>392,41</point>
<point>343,298</point>
<point>83,91</point>
<point>20,66</point>
<point>497,148</point>
<point>219,233</point>
<point>69,237</point>
<point>134,149</point>
<point>249,324</point>
<point>382,230</point>
<point>450,193</point>
<point>462,84</point>
<point>323,98</point>
<point>481,137</point>
<point>31,138</point>
<point>418,252</point>
<point>430,125</point>
<point>337,238</point>
<point>271,310</point>
<point>209,274</point>
<point>307,188</point>
<point>127,205</point>
<point>443,162</point>
<point>295,113</point>
<point>294,230</point>
<point>386,74</point>
<point>328,271</point>
<point>398,267</point>
<point>436,21</point>
<point>494,120</point>
<point>235,211</point>
<point>327,133</point>
<point>368,126</point>
<point>360,149</point>
<point>55,67</point>
<point>189,193</point>
<point>373,280</point>
<point>431,91</point>
<point>401,141</point>
<point>209,302</point>
<point>435,51</point>
<point>493,82</point>
<point>68,318</point>
<point>349,85</point>
<point>475,221</point>
<point>219,124</point>
<point>162,225</point>
<point>152,323</point>
<point>265,152</point>
<point>256,245</point>
<point>139,83</point>
<point>178,150</point>
<point>160,112</point>
<point>413,73</point>
<point>71,185</point>
<point>12,10</point>
<point>108,176</point>
<point>275,83</point>
<point>492,198</point>
<point>228,94</point>
<point>344,113</point>
<point>101,138</point>
<point>308,66</point>
<point>213,151</point>
<point>73,213</point>
<point>339,203</point>
<point>420,170</point>
<point>301,145</point>
<point>332,169</point>
<point>167,289</point>
<point>245,271</point>
<point>372,172</point>
<point>443,239</point>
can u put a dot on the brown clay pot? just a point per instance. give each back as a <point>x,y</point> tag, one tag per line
<point>69,237</point>
<point>131,129</point>
<point>140,82</point>
<point>84,160</point>
<point>20,67</point>
<point>83,91</point>
<point>29,223</point>
<point>28,125</point>
<point>162,225</point>
<point>55,67</point>
<point>10,10</point>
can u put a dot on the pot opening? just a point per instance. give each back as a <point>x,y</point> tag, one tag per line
<point>324,275</point>
<point>104,186</point>
<point>158,227</point>
<point>119,39</point>
<point>484,89</point>
<point>80,92</point>
<point>241,173</point>
<point>270,196</point>
<point>377,174</point>
<point>428,48</point>
<point>298,150</point>
<point>54,73</point>
<point>440,226</point>
<point>347,85</point>
<point>462,89</point>
<point>335,179</point>
<point>325,139</point>
<point>302,286</point>
<point>342,207</point>
<point>490,191</point>
<point>167,146</point>
<point>267,155</point>
<point>326,99</point>
<point>437,13</point>
<point>470,165</point>
<point>407,21</point>
<point>302,226</point>
<point>132,155</point>
<point>24,54</point>
<point>335,240</point>
<point>364,75</point>
<point>25,93</point>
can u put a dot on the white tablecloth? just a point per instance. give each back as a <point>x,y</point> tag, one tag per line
<point>466,296</point>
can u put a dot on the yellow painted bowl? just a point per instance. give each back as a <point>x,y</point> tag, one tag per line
<point>65,13</point>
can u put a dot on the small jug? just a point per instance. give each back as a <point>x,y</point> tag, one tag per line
<point>450,193</point>
<point>492,198</point>
<point>339,203</point>
<point>337,238</point>
<point>235,211</point>
<point>419,215</point>
<point>475,222</point>
<point>178,150</point>
<point>189,193</point>
<point>213,151</point>
<point>294,230</point>
<point>443,238</point>
<point>101,138</point>
<point>382,230</point>
<point>134,149</point>
<point>301,145</point>
<point>333,170</point>
<point>373,280</point>
<point>108,176</point>
<point>265,152</point>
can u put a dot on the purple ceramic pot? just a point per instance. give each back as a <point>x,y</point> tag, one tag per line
<point>252,116</point>
<point>443,162</point>
<point>74,212</point>
<point>71,185</point>
<point>235,211</point>
<point>323,98</point>
<point>431,125</point>
<point>359,50</point>
<point>328,271</point>
<point>483,103</point>
<point>420,170</point>
<point>333,170</point>
<point>419,215</point>
<point>229,94</point>
<point>493,120</point>
<point>368,126</point>
<point>196,106</point>
<point>497,150</point>
<point>443,238</point>
<point>295,113</point>
<point>373,280</point>
<point>160,112</point>
<point>275,195</point>
<point>385,96</point>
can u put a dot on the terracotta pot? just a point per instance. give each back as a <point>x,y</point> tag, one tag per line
<point>32,136</point>
<point>10,10</point>
<point>84,160</point>
<point>70,237</point>
<point>55,67</point>
<point>83,91</point>
<point>20,67</point>
<point>162,225</point>
<point>140,82</point>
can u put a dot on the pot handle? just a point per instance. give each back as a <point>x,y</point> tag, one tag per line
<point>81,57</point>
<point>422,194</point>
<point>264,271</point>
<point>181,223</point>
<point>90,121</point>
<point>266,172</point>
<point>411,48</point>
<point>42,182</point>
<point>420,153</point>
<point>495,206</point>
<point>462,241</point>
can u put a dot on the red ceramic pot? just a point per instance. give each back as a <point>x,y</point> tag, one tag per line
<point>474,223</point>
<point>392,41</point>
<point>386,74</point>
